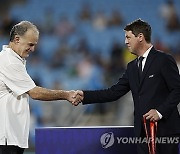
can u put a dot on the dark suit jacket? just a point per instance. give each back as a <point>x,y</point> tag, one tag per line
<point>158,89</point>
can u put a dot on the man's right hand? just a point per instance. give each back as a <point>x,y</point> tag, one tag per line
<point>78,97</point>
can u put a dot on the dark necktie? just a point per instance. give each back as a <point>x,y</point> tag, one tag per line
<point>140,59</point>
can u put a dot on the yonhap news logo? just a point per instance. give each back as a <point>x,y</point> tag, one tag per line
<point>107,140</point>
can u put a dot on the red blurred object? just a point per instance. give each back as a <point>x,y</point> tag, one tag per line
<point>152,136</point>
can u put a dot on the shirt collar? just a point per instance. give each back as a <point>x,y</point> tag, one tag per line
<point>12,52</point>
<point>147,52</point>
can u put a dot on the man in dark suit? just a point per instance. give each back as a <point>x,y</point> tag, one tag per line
<point>154,81</point>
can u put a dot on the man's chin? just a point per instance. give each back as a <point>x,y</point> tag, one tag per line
<point>131,51</point>
<point>26,56</point>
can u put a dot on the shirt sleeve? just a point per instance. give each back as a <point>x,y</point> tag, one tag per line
<point>159,114</point>
<point>17,79</point>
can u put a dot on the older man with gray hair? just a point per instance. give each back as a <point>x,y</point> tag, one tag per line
<point>16,86</point>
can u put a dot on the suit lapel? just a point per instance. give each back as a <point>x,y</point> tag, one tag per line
<point>149,60</point>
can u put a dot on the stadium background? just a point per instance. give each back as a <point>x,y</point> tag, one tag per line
<point>81,46</point>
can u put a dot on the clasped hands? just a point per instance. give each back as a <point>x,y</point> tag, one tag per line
<point>75,97</point>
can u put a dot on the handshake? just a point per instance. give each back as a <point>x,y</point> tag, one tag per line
<point>75,97</point>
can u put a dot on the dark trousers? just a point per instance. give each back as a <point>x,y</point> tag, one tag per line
<point>11,149</point>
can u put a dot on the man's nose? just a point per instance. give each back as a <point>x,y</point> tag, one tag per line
<point>32,49</point>
<point>126,42</point>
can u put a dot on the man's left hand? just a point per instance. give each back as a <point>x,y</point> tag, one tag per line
<point>152,115</point>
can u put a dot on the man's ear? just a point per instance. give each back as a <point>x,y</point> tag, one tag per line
<point>141,37</point>
<point>16,39</point>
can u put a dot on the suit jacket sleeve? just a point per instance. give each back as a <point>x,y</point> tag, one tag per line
<point>171,76</point>
<point>110,94</point>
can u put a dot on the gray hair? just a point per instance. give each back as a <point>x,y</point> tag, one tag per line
<point>21,28</point>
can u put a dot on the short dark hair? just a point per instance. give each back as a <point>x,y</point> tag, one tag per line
<point>140,26</point>
<point>21,28</point>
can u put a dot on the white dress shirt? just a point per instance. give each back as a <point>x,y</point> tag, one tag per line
<point>14,106</point>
